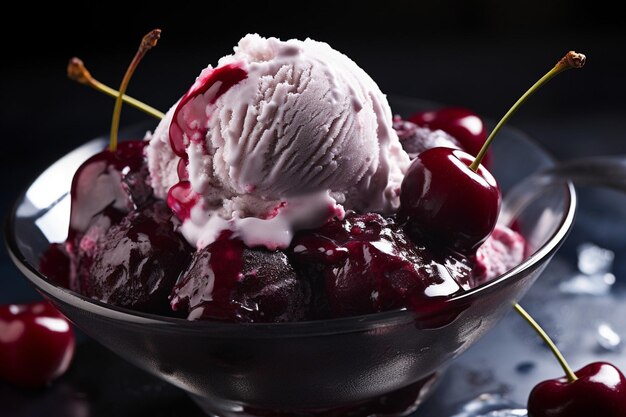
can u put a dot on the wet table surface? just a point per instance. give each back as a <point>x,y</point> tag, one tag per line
<point>507,362</point>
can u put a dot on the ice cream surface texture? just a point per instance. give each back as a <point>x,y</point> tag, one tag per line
<point>280,136</point>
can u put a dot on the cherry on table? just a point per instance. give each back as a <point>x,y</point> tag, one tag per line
<point>36,343</point>
<point>599,390</point>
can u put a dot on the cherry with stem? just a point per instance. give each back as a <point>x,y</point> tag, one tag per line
<point>597,389</point>
<point>448,198</point>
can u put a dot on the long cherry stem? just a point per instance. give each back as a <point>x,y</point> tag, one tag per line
<point>147,43</point>
<point>571,376</point>
<point>77,71</point>
<point>570,60</point>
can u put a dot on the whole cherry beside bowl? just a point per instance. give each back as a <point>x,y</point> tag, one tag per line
<point>36,344</point>
<point>599,390</point>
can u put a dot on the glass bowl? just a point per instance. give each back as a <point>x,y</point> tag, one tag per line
<point>381,364</point>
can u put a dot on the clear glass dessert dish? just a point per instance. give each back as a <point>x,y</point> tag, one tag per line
<point>381,364</point>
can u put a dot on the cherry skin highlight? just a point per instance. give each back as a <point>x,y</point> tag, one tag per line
<point>446,203</point>
<point>600,390</point>
<point>36,344</point>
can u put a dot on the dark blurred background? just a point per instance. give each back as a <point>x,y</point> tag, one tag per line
<point>481,54</point>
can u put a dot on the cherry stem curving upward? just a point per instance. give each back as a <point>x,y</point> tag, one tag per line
<point>570,60</point>
<point>147,43</point>
<point>76,71</point>
<point>571,376</point>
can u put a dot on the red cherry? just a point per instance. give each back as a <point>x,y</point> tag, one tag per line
<point>447,197</point>
<point>36,343</point>
<point>600,390</point>
<point>445,202</point>
<point>464,125</point>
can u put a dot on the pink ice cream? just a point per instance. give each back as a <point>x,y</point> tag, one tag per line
<point>502,251</point>
<point>280,136</point>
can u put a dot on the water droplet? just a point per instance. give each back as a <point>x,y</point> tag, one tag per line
<point>491,405</point>
<point>525,367</point>
<point>607,338</point>
<point>594,260</point>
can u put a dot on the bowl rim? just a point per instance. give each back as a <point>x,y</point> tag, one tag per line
<point>286,329</point>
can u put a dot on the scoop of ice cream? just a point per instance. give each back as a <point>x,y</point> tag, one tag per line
<point>162,161</point>
<point>281,135</point>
